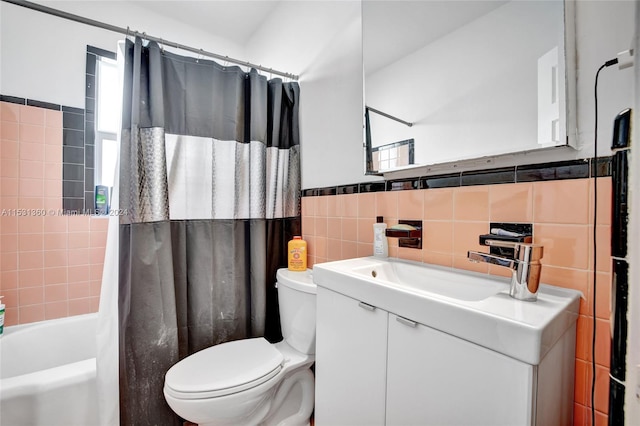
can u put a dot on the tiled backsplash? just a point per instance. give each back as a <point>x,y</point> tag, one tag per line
<point>341,226</point>
<point>51,263</point>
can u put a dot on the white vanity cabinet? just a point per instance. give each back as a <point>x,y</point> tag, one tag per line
<point>403,343</point>
<point>374,368</point>
<point>350,379</point>
<point>434,378</point>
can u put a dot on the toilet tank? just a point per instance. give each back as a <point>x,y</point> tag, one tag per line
<point>297,302</point>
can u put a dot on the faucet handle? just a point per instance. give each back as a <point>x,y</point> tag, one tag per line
<point>526,252</point>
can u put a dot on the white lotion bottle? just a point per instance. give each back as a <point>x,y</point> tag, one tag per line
<point>380,244</point>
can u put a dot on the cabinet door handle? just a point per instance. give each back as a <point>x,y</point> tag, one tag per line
<point>406,322</point>
<point>367,306</point>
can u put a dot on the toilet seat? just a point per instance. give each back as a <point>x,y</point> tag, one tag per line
<point>224,369</point>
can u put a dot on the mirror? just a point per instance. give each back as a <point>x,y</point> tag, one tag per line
<point>462,80</point>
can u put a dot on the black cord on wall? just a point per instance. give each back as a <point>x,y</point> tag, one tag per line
<point>595,226</point>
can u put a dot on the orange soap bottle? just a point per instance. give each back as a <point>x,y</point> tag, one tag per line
<point>297,250</point>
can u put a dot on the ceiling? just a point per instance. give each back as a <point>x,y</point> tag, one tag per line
<point>234,20</point>
<point>393,29</point>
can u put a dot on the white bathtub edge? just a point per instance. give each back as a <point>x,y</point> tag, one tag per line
<point>48,380</point>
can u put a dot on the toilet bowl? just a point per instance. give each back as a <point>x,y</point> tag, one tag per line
<point>251,381</point>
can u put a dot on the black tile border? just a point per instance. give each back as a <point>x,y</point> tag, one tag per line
<point>449,180</point>
<point>404,184</point>
<point>488,177</point>
<point>347,189</point>
<point>603,167</point>
<point>72,110</point>
<point>73,121</point>
<point>560,170</point>
<point>327,191</point>
<point>574,169</point>
<point>13,99</point>
<point>31,102</point>
<point>372,187</point>
<point>41,104</point>
<point>91,64</point>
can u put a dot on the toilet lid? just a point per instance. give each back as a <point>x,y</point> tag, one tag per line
<point>224,369</point>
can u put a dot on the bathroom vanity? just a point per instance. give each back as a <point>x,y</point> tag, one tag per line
<point>401,342</point>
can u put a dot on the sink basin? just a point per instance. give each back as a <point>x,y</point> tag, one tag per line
<point>431,280</point>
<point>475,307</point>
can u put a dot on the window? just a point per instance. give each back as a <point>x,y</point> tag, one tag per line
<point>393,155</point>
<point>107,122</point>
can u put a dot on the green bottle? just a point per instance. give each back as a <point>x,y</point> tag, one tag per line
<point>102,199</point>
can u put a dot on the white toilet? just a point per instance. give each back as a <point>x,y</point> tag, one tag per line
<point>250,381</point>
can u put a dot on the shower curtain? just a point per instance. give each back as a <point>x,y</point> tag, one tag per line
<point>209,197</point>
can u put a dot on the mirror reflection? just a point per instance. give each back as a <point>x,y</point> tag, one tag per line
<point>463,79</point>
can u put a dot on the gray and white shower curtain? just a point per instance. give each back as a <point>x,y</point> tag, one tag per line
<point>209,197</point>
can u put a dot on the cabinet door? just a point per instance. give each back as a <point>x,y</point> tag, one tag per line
<point>351,354</point>
<point>434,378</point>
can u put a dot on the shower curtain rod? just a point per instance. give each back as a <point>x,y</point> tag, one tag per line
<point>384,114</point>
<point>127,32</point>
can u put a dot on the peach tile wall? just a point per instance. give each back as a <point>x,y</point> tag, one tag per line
<point>340,227</point>
<point>51,264</point>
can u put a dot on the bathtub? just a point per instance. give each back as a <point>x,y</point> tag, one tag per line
<point>48,373</point>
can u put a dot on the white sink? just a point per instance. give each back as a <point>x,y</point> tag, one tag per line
<point>474,307</point>
<point>430,280</point>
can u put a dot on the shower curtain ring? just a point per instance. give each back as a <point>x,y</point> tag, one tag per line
<point>161,45</point>
<point>127,34</point>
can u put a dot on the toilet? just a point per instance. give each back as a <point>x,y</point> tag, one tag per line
<point>251,381</point>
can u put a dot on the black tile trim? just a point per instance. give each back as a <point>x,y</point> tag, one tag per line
<point>572,169</point>
<point>488,177</point>
<point>347,189</point>
<point>41,104</point>
<point>90,86</point>
<point>89,156</point>
<point>72,137</point>
<point>403,184</point>
<point>73,172</point>
<point>89,200</point>
<point>89,179</point>
<point>73,189</point>
<point>72,109</point>
<point>101,52</point>
<point>13,99</point>
<point>450,180</point>
<point>90,106</point>
<point>603,168</point>
<point>327,191</point>
<point>372,187</point>
<point>73,155</point>
<point>91,64</point>
<point>73,121</point>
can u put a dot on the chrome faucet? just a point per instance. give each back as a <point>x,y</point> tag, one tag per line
<point>525,266</point>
